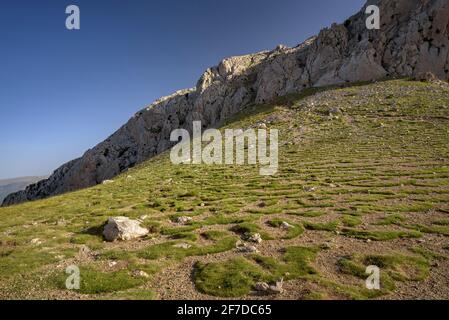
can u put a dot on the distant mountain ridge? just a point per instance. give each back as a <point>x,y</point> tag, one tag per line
<point>413,40</point>
<point>8,186</point>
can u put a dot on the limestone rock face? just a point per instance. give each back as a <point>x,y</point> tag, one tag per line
<point>123,228</point>
<point>412,40</point>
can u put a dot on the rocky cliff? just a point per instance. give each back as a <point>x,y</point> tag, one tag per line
<point>412,40</point>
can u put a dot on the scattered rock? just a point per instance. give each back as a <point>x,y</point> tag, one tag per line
<point>36,241</point>
<point>309,189</point>
<point>123,228</point>
<point>334,111</point>
<point>245,248</point>
<point>61,222</point>
<point>264,287</point>
<point>84,253</point>
<point>286,225</point>
<point>326,246</point>
<point>281,47</point>
<point>182,245</point>
<point>108,181</point>
<point>140,274</point>
<point>256,238</point>
<point>183,220</point>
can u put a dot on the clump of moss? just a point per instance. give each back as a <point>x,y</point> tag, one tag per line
<point>233,278</point>
<point>392,267</point>
<point>391,219</point>
<point>400,267</point>
<point>380,235</point>
<point>247,228</point>
<point>190,236</point>
<point>93,281</point>
<point>435,228</point>
<point>294,230</point>
<point>330,226</point>
<point>308,214</point>
<point>351,221</point>
<point>172,251</point>
<point>236,277</point>
<point>214,235</point>
<point>295,263</point>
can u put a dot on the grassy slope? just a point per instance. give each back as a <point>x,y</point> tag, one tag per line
<point>380,175</point>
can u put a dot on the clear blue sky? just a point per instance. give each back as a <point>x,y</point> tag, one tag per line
<point>62,92</point>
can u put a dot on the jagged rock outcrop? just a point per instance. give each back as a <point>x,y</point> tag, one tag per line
<point>412,40</point>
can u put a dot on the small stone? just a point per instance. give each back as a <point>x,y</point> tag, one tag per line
<point>334,111</point>
<point>262,286</point>
<point>245,248</point>
<point>108,181</point>
<point>36,241</point>
<point>182,245</point>
<point>141,274</point>
<point>270,289</point>
<point>309,189</point>
<point>251,249</point>
<point>286,225</point>
<point>281,47</point>
<point>183,220</point>
<point>326,246</point>
<point>277,288</point>
<point>256,238</point>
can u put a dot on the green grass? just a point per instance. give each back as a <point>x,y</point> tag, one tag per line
<point>93,281</point>
<point>391,219</point>
<point>372,181</point>
<point>351,221</point>
<point>233,278</point>
<point>294,231</point>
<point>329,226</point>
<point>435,228</point>
<point>236,277</point>
<point>380,235</point>
<point>247,228</point>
